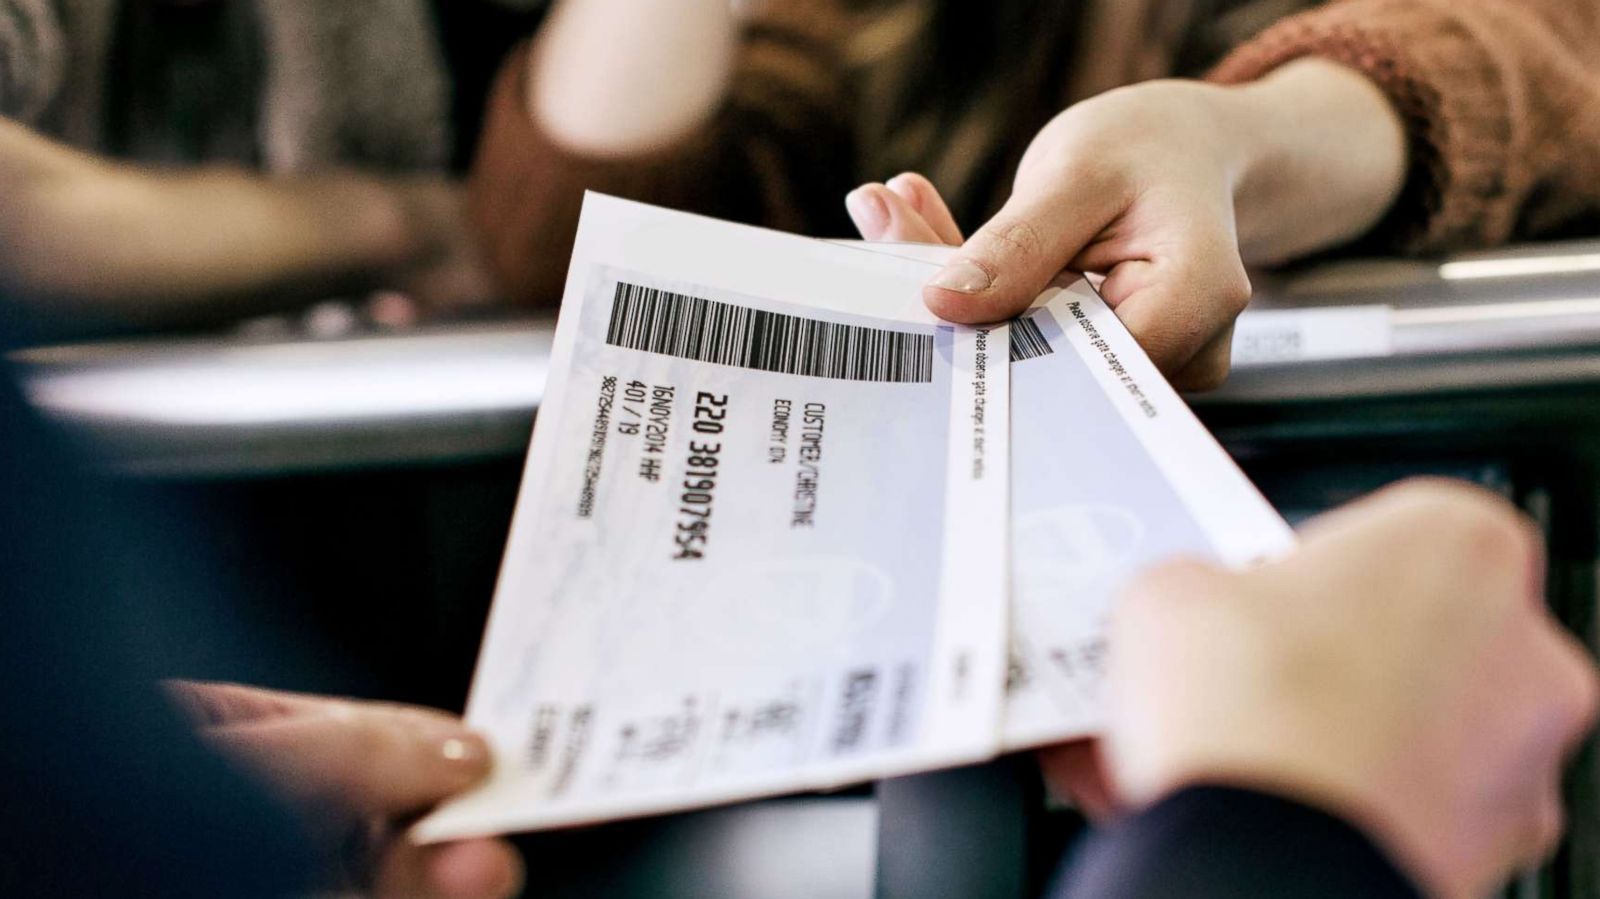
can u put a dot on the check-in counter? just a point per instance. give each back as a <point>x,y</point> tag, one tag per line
<point>247,405</point>
<point>383,466</point>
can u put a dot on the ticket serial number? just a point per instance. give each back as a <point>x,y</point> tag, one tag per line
<point>700,476</point>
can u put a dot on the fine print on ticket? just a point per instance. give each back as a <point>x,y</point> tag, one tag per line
<point>761,541</point>
<point>1111,474</point>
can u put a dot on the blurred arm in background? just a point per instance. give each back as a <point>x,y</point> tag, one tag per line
<point>103,243</point>
<point>1399,126</point>
<point>166,164</point>
<point>670,101</point>
<point>1417,127</point>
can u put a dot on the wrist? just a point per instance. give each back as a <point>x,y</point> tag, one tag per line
<point>1319,158</point>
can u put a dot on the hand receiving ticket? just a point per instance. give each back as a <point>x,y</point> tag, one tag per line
<point>760,545</point>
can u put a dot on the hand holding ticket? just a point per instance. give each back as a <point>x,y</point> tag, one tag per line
<point>770,516</point>
<point>1111,473</point>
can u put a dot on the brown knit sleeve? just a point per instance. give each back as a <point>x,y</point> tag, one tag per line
<point>778,153</point>
<point>1501,100</point>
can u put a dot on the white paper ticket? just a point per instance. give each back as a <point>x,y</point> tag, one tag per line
<point>761,542</point>
<point>1111,474</point>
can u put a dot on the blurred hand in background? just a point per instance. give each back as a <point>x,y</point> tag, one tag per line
<point>614,78</point>
<point>96,243</point>
<point>1401,671</point>
<point>361,770</point>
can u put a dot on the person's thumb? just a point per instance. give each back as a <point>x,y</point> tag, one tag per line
<point>1006,264</point>
<point>369,759</point>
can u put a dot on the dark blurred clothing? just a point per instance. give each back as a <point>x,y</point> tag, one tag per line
<point>1220,843</point>
<point>107,792</point>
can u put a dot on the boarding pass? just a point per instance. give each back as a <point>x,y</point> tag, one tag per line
<point>760,545</point>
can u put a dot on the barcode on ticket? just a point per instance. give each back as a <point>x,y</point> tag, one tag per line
<point>1027,341</point>
<point>672,324</point>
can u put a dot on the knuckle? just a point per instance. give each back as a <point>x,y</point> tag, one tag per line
<point>1470,516</point>
<point>1435,495</point>
<point>1582,691</point>
<point>1018,237</point>
<point>1499,536</point>
<point>1473,535</point>
<point>1236,291</point>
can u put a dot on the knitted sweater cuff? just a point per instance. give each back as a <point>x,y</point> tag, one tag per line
<point>1452,97</point>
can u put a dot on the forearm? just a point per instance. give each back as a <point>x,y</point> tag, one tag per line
<point>102,241</point>
<point>774,146</point>
<point>1498,100</point>
<point>622,77</point>
<point>1321,159</point>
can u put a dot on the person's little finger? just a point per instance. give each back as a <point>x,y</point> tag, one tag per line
<point>901,223</point>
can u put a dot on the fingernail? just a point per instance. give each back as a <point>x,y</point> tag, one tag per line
<point>868,211</point>
<point>962,277</point>
<point>468,750</point>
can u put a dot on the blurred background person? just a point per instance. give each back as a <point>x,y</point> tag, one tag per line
<point>1395,126</point>
<point>168,162</point>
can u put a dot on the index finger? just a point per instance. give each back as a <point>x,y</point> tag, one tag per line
<point>1006,264</point>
